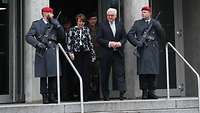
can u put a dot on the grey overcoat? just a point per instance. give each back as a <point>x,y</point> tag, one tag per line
<point>149,60</point>
<point>45,65</point>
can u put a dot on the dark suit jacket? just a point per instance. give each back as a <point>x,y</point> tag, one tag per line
<point>104,35</point>
<point>107,55</point>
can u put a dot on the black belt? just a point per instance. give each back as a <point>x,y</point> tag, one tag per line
<point>152,44</point>
<point>51,41</point>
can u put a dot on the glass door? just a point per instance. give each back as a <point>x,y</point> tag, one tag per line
<point>105,4</point>
<point>4,52</point>
<point>11,51</point>
<point>171,20</point>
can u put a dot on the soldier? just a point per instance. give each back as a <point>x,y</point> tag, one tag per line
<point>94,66</point>
<point>148,60</point>
<point>43,35</point>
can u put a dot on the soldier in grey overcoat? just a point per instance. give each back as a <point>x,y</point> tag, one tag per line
<point>43,35</point>
<point>149,56</point>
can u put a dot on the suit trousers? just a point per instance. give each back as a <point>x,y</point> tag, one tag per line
<point>116,62</point>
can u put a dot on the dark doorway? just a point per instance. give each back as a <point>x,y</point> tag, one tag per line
<point>4,49</point>
<point>69,81</point>
<point>167,20</point>
<point>72,8</point>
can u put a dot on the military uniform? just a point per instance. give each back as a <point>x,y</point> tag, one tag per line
<point>149,60</point>
<point>45,58</point>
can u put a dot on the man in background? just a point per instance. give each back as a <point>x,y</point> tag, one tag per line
<point>94,66</point>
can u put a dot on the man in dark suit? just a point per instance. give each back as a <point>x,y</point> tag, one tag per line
<point>149,59</point>
<point>45,57</point>
<point>111,37</point>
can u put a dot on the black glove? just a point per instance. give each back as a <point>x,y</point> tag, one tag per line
<point>55,23</point>
<point>41,46</point>
<point>156,25</point>
<point>139,44</point>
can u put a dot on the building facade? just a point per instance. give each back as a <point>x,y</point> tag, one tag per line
<point>178,17</point>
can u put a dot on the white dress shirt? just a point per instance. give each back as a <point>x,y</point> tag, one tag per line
<point>113,27</point>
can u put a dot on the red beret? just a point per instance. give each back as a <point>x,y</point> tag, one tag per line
<point>147,8</point>
<point>47,9</point>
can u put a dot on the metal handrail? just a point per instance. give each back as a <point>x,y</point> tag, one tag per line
<point>167,69</point>
<point>77,73</point>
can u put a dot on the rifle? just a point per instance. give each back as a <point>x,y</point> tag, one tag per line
<point>44,38</point>
<point>144,36</point>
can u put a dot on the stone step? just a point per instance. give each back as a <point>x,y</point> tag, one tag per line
<point>175,105</point>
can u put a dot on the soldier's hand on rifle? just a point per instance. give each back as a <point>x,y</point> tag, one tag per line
<point>156,25</point>
<point>139,44</point>
<point>41,46</point>
<point>55,22</point>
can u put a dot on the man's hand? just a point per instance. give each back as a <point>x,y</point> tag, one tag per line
<point>118,44</point>
<point>114,45</point>
<point>71,55</point>
<point>111,44</point>
<point>93,59</point>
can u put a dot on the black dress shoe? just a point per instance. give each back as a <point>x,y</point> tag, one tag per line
<point>122,98</point>
<point>106,99</point>
<point>145,94</point>
<point>45,99</point>
<point>151,95</point>
<point>121,95</point>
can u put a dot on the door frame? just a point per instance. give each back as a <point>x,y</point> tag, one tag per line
<point>179,41</point>
<point>179,44</point>
<point>12,37</point>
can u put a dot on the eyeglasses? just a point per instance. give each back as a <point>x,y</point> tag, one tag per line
<point>110,15</point>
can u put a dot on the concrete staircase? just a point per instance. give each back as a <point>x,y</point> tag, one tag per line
<point>174,105</point>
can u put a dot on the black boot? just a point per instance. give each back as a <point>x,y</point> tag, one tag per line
<point>151,95</point>
<point>45,99</point>
<point>145,94</point>
<point>121,95</point>
<point>52,98</point>
<point>106,98</point>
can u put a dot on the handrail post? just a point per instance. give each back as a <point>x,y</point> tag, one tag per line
<point>58,74</point>
<point>77,73</point>
<point>199,91</point>
<point>185,61</point>
<point>167,69</point>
